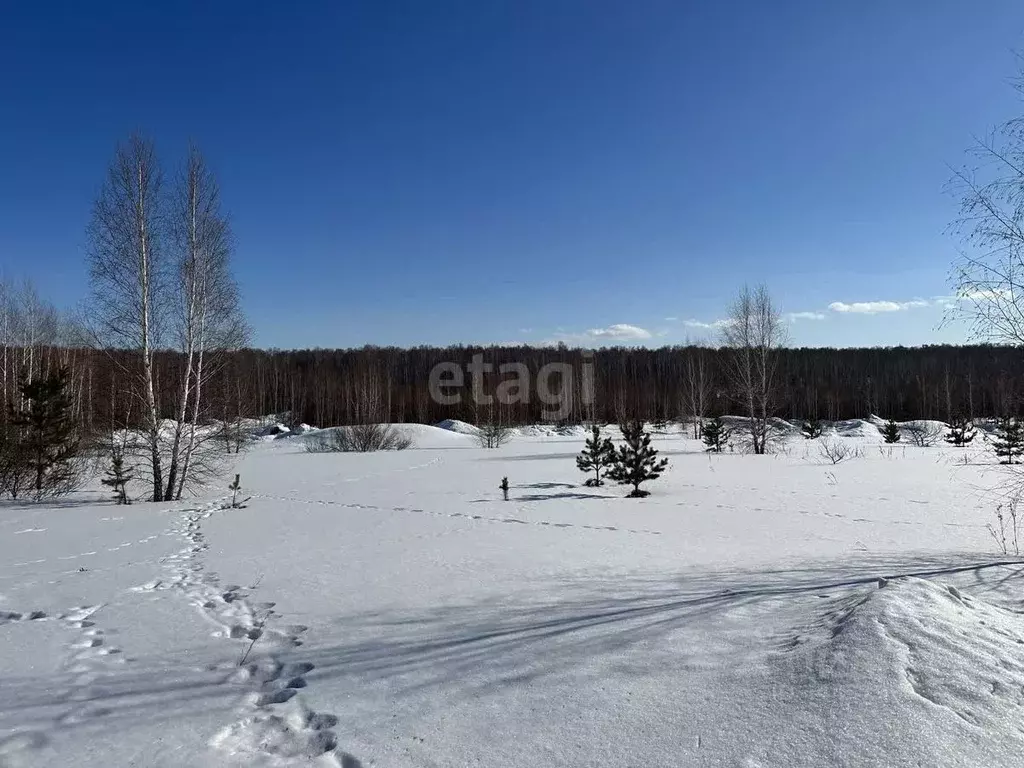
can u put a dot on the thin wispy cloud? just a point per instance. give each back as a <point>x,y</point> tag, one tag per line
<point>795,316</point>
<point>618,333</point>
<point>876,307</point>
<point>714,325</point>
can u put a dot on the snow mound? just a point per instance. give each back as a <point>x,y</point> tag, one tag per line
<point>925,674</point>
<point>863,428</point>
<point>422,436</point>
<point>549,430</point>
<point>454,425</point>
<point>931,424</point>
<point>427,436</point>
<point>298,431</point>
<point>271,430</point>
<point>779,426</point>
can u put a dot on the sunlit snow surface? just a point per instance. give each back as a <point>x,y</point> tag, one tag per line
<point>392,610</point>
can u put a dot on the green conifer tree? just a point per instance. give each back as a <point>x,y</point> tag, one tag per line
<point>47,434</point>
<point>961,431</point>
<point>636,461</point>
<point>598,453</point>
<point>118,476</point>
<point>1009,442</point>
<point>715,435</point>
<point>890,431</point>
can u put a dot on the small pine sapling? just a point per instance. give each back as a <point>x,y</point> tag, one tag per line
<point>1009,442</point>
<point>504,487</point>
<point>598,454</point>
<point>811,429</point>
<point>961,431</point>
<point>235,489</point>
<point>636,461</point>
<point>890,431</point>
<point>48,443</point>
<point>715,435</point>
<point>118,476</point>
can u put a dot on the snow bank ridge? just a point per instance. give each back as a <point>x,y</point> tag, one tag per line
<point>947,660</point>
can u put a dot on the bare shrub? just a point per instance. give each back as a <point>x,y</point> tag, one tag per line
<point>366,438</point>
<point>923,434</point>
<point>494,435</point>
<point>1006,528</point>
<point>361,438</point>
<point>773,438</point>
<point>324,441</point>
<point>839,450</point>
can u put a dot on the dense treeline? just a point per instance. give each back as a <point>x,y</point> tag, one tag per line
<point>389,384</point>
<point>328,387</point>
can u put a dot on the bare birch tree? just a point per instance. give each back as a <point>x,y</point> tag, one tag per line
<point>697,388</point>
<point>988,279</point>
<point>754,333</point>
<point>127,279</point>
<point>205,314</point>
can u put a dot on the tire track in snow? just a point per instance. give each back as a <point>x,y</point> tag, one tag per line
<point>274,722</point>
<point>464,515</point>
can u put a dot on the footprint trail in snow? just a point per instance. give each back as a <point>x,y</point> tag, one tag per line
<point>274,721</point>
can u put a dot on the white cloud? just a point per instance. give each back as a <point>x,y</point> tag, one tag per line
<point>671,319</point>
<point>988,294</point>
<point>619,332</point>
<point>794,316</point>
<point>715,325</point>
<point>875,307</point>
<point>946,302</point>
<point>976,296</point>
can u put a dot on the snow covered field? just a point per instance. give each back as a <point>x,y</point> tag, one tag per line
<point>392,610</point>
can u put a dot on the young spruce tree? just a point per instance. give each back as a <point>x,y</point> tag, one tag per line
<point>961,431</point>
<point>636,461</point>
<point>715,435</point>
<point>118,476</point>
<point>598,454</point>
<point>47,433</point>
<point>890,431</point>
<point>1009,442</point>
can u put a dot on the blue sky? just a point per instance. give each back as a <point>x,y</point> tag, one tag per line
<point>428,173</point>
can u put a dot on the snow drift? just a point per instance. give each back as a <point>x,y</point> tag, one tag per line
<point>913,673</point>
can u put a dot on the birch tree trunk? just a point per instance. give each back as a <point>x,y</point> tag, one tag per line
<point>127,278</point>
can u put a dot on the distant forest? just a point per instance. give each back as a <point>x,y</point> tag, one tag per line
<point>388,384</point>
<point>333,387</point>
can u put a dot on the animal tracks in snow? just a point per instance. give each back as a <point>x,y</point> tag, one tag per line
<point>85,663</point>
<point>273,721</point>
<point>88,660</point>
<point>464,515</point>
<point>90,553</point>
<point>9,616</point>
